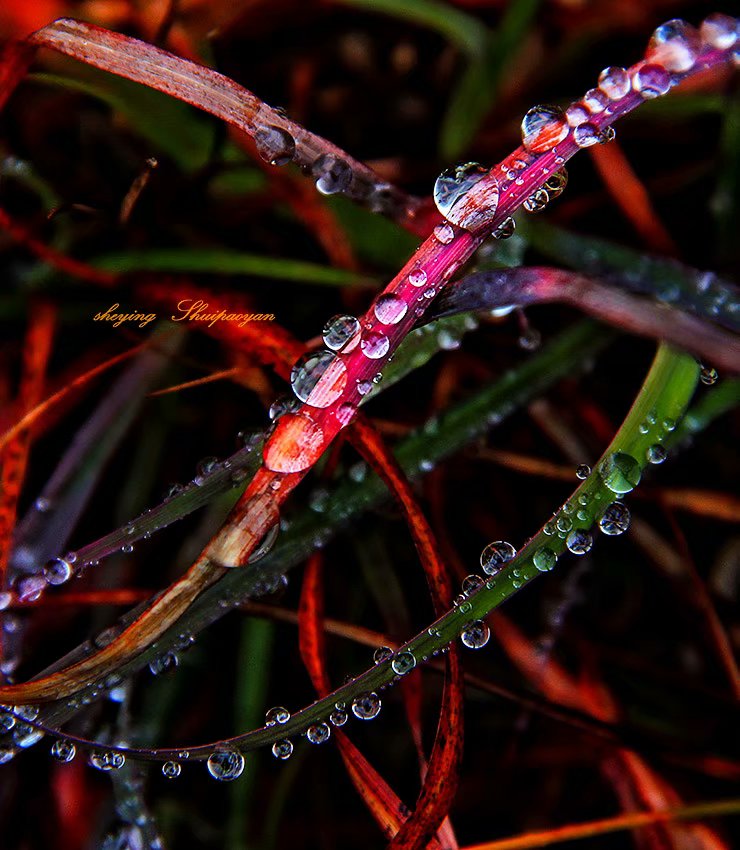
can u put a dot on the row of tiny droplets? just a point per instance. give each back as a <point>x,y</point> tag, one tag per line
<point>332,385</point>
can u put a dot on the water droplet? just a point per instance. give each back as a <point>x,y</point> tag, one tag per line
<point>332,174</point>
<point>171,770</point>
<point>338,717</point>
<point>296,444</point>
<point>381,654</point>
<point>30,588</point>
<point>656,454</point>
<point>163,663</point>
<point>342,333</point>
<point>417,277</point>
<point>708,375</point>
<point>615,519</point>
<point>63,750</point>
<point>282,749</point>
<point>471,584</point>
<point>225,765</point>
<point>586,134</point>
<point>105,760</point>
<point>452,185</point>
<point>319,378</point>
<point>595,100</point>
<point>319,733</point>
<point>615,82</point>
<point>364,387</point>
<point>579,541</point>
<point>556,183</point>
<point>444,233</point>
<point>583,470</point>
<point>6,754</point>
<point>42,505</point>
<point>402,663</point>
<point>651,81</point>
<point>274,144</point>
<point>506,229</point>
<point>57,571</point>
<point>719,31</point>
<point>577,114</point>
<point>390,308</point>
<point>537,201</point>
<point>543,127</point>
<point>283,404</point>
<point>620,472</point>
<point>278,714</point>
<point>544,559</point>
<point>475,634</point>
<point>374,344</point>
<point>366,706</point>
<point>674,45</point>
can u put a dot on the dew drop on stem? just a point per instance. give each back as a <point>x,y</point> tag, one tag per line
<point>278,714</point>
<point>543,127</point>
<point>63,751</point>
<point>475,635</point>
<point>171,770</point>
<point>225,765</point>
<point>332,174</point>
<point>402,663</point>
<point>282,749</point>
<point>579,541</point>
<point>342,333</point>
<point>107,761</point>
<point>319,378</point>
<point>615,82</point>
<point>451,187</point>
<point>615,520</point>
<point>651,81</point>
<point>58,571</point>
<point>620,472</point>
<point>719,31</point>
<point>366,706</point>
<point>389,308</point>
<point>319,733</point>
<point>675,45</point>
<point>495,555</point>
<point>274,144</point>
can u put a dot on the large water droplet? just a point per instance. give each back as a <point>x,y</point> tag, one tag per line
<point>390,308</point>
<point>402,663</point>
<point>296,444</point>
<point>338,717</point>
<point>543,127</point>
<point>366,706</point>
<point>57,571</point>
<point>319,378</point>
<point>577,114</point>
<point>381,654</point>
<point>620,472</point>
<point>544,559</point>
<point>595,100</point>
<point>674,45</point>
<point>278,714</point>
<point>374,344</point>
<point>319,733</point>
<point>615,82</point>
<point>651,81</point>
<point>171,770</point>
<point>417,277</point>
<point>587,134</point>
<point>579,541</point>
<point>453,184</point>
<point>656,454</point>
<point>225,765</point>
<point>274,144</point>
<point>470,584</point>
<point>105,760</point>
<point>708,375</point>
<point>444,233</point>
<point>63,751</point>
<point>719,31</point>
<point>537,201</point>
<point>342,333</point>
<point>615,519</point>
<point>583,470</point>
<point>282,749</point>
<point>495,555</point>
<point>475,634</point>
<point>332,174</point>
<point>505,230</point>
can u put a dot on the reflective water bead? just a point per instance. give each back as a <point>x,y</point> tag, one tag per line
<point>577,114</point>
<point>274,144</point>
<point>332,174</point>
<point>42,505</point>
<point>719,31</point>
<point>105,760</point>
<point>366,706</point>
<point>651,81</point>
<point>475,634</point>
<point>345,413</point>
<point>389,308</point>
<point>171,770</point>
<point>620,472</point>
<point>544,559</point>
<point>282,405</point>
<point>471,584</point>
<point>586,134</point>
<point>374,344</point>
<point>381,654</point>
<point>57,571</point>
<point>595,100</point>
<point>537,201</point>
<point>417,277</point>
<point>506,229</point>
<point>30,588</point>
<point>342,333</point>
<point>403,663</point>
<point>6,754</point>
<point>338,717</point>
<point>556,183</point>
<point>615,519</point>
<point>708,375</point>
<point>579,541</point>
<point>615,82</point>
<point>543,127</point>
<point>656,454</point>
<point>444,233</point>
<point>225,765</point>
<point>319,378</point>
<point>63,751</point>
<point>364,386</point>
<point>278,714</point>
<point>282,749</point>
<point>296,444</point>
<point>452,185</point>
<point>319,733</point>
<point>583,470</point>
<point>674,45</point>
<point>163,663</point>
